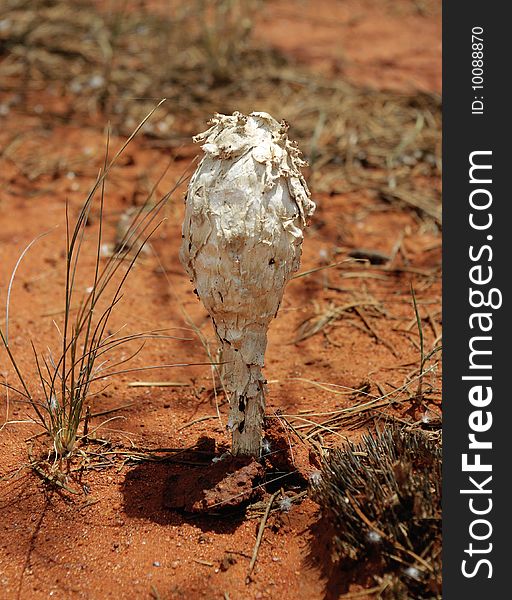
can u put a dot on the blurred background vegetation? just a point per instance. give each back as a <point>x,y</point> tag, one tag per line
<point>92,62</point>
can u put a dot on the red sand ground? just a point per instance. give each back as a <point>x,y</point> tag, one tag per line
<point>120,541</point>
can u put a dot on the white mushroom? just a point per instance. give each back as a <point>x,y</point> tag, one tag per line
<point>246,207</point>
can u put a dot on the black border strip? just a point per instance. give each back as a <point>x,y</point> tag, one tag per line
<point>468,408</point>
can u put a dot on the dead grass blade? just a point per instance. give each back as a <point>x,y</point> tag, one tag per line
<point>325,317</point>
<point>85,341</point>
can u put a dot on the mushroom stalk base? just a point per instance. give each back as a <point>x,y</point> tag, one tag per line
<point>246,386</point>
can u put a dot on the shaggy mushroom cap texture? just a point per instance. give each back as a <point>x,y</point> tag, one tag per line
<point>246,208</point>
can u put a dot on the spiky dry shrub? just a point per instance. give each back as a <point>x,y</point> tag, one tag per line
<point>381,503</point>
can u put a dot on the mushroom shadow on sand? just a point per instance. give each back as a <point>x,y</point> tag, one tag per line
<point>197,486</point>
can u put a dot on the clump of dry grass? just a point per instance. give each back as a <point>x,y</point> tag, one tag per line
<point>67,377</point>
<point>380,501</point>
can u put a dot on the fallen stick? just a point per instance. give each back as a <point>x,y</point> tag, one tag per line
<point>158,384</point>
<point>260,536</point>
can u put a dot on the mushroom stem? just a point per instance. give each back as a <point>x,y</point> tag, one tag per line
<point>246,386</point>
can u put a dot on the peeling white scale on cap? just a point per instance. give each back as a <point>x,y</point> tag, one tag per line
<point>246,208</point>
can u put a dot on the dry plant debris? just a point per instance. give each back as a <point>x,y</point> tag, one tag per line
<point>381,503</point>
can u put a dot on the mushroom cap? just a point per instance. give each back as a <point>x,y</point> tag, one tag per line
<point>231,136</point>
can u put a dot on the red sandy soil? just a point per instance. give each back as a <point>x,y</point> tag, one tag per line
<point>120,540</point>
<point>388,44</point>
